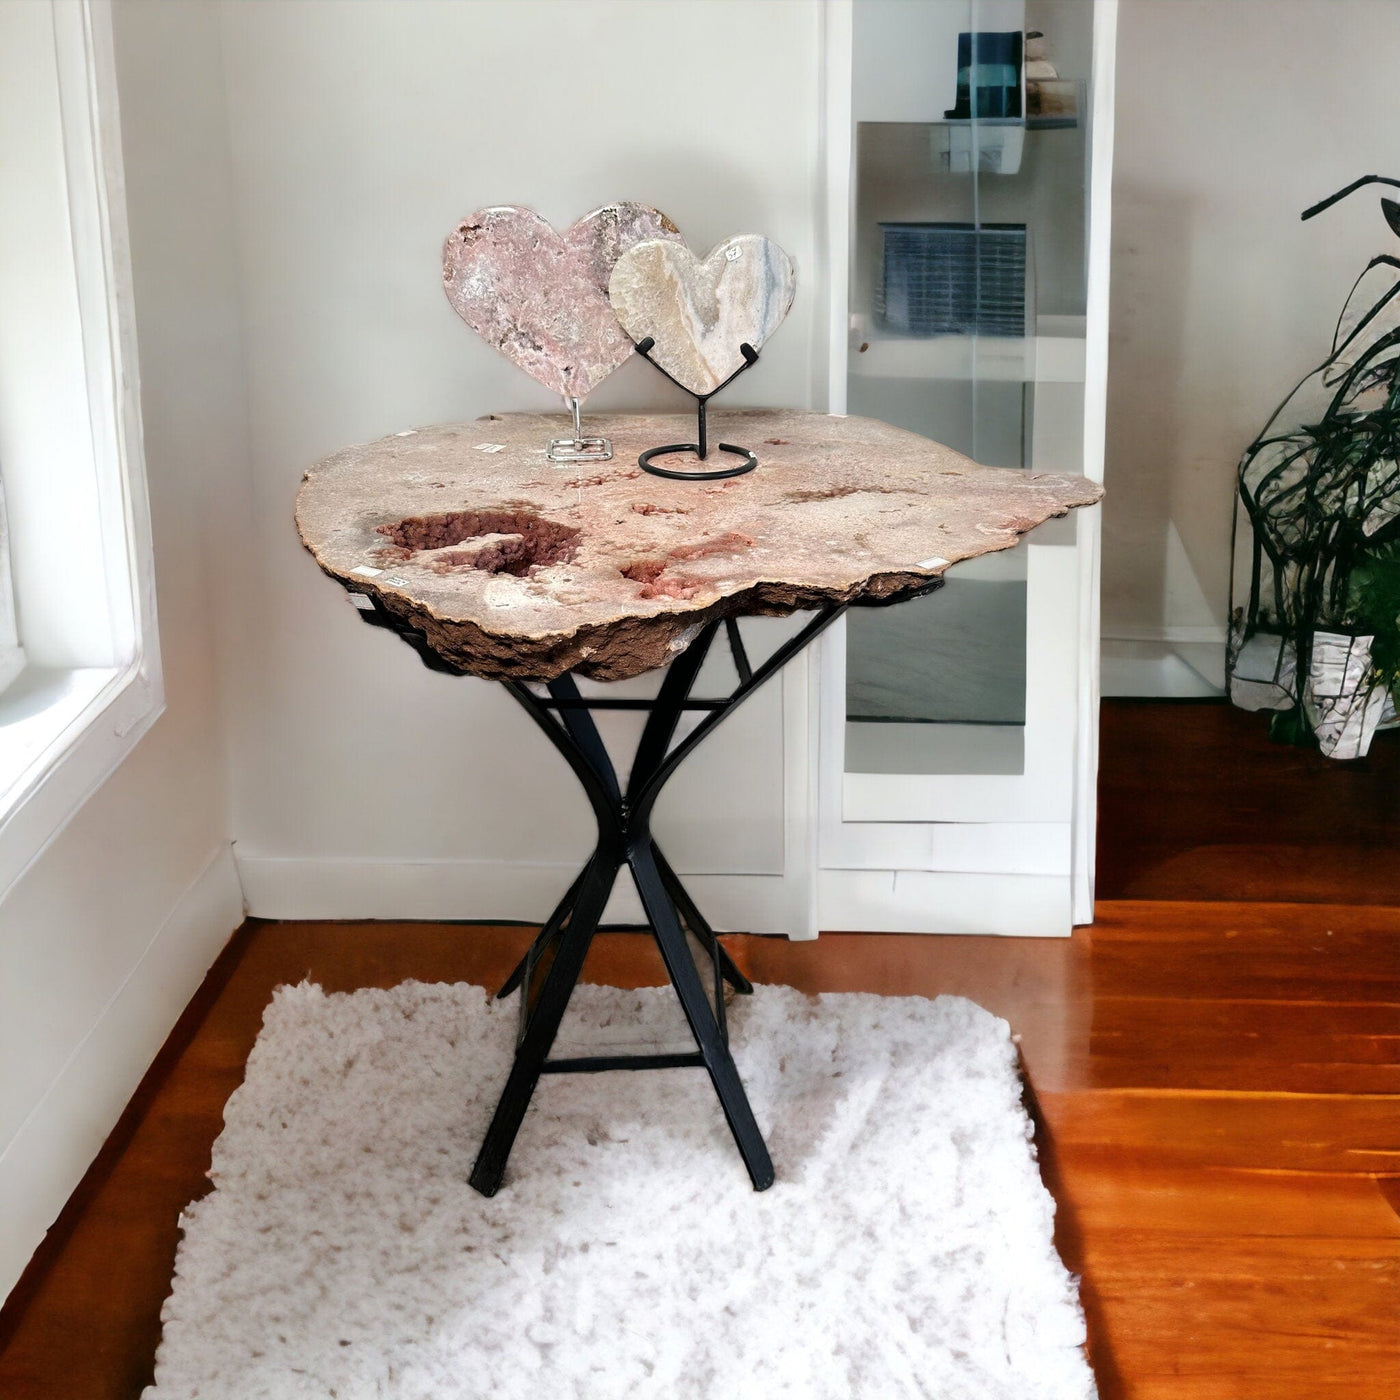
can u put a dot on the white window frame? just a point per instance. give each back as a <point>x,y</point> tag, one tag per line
<point>69,723</point>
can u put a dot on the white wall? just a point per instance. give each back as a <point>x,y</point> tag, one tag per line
<point>1231,119</point>
<point>361,132</point>
<point>107,935</point>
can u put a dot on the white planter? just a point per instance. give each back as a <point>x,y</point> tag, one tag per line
<point>1340,698</point>
<point>1390,717</point>
<point>1263,674</point>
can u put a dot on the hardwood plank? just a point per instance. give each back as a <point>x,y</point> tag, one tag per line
<point>1159,921</point>
<point>1266,1019</point>
<point>1266,1046</point>
<point>1266,870</point>
<point>1108,1203</point>
<point>1141,1071</point>
<point>1196,803</point>
<point>1315,1317</point>
<point>1257,1038</point>
<point>1351,1134</point>
<point>1227,973</point>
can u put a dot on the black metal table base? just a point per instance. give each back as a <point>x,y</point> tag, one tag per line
<point>549,970</point>
<point>547,974</point>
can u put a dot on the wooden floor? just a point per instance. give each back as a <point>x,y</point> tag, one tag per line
<point>1195,802</point>
<point>1216,1087</point>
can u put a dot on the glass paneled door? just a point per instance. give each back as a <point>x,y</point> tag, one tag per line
<point>953,726</point>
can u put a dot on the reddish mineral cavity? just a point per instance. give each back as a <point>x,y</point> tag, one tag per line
<point>526,575</point>
<point>496,542</point>
<point>658,583</point>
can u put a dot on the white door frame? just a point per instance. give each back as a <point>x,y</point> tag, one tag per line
<point>834,897</point>
<point>1086,775</point>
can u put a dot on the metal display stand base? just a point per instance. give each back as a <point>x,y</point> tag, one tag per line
<point>700,448</point>
<point>578,448</point>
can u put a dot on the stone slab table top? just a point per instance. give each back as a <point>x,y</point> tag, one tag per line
<point>515,567</point>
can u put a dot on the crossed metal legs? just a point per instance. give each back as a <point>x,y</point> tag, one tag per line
<point>547,974</point>
<point>691,917</point>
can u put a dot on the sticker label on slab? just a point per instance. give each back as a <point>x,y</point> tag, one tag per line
<point>490,447</point>
<point>365,571</point>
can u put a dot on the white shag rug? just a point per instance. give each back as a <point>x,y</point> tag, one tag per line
<point>904,1251</point>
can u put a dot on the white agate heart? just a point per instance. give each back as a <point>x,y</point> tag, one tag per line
<point>698,313</point>
<point>541,298</point>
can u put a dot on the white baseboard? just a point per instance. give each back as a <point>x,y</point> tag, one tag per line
<point>1210,634</point>
<point>877,901</point>
<point>1181,666</point>
<point>925,901</point>
<point>54,1146</point>
<point>313,887</point>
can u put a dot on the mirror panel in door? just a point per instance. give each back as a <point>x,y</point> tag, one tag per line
<point>967,300</point>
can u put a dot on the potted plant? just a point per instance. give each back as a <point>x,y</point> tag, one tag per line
<point>1317,639</point>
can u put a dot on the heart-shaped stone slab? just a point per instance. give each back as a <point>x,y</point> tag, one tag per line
<point>541,298</point>
<point>700,313</point>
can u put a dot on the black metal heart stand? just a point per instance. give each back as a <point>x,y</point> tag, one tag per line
<point>700,447</point>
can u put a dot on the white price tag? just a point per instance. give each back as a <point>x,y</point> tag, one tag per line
<point>490,447</point>
<point>365,571</point>
<point>362,601</point>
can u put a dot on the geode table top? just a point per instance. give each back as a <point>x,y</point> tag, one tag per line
<point>515,567</point>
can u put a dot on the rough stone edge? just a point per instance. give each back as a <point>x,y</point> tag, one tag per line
<point>627,646</point>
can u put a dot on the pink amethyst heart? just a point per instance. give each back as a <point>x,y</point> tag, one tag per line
<point>542,299</point>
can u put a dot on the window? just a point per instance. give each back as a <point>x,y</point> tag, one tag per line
<point>83,681</point>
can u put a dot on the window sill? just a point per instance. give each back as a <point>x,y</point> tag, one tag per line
<point>62,733</point>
